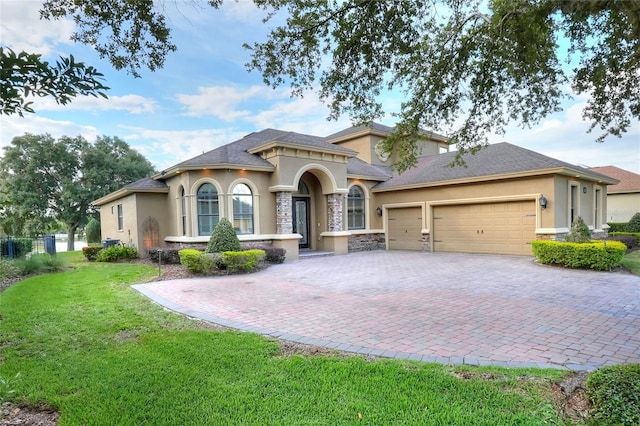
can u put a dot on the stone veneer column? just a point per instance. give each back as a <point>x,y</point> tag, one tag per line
<point>284,213</point>
<point>335,204</point>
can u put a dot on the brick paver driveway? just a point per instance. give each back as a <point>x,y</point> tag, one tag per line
<point>440,307</point>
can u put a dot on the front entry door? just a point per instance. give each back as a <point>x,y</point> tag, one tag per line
<point>301,220</point>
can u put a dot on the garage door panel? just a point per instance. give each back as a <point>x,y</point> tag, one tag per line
<point>497,228</point>
<point>405,228</point>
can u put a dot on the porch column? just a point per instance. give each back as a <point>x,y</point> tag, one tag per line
<point>335,203</point>
<point>284,213</point>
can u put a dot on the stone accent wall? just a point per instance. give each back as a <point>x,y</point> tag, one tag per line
<point>284,213</point>
<point>335,204</point>
<point>366,242</point>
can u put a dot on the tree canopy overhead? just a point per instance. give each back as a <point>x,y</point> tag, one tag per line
<point>466,68</point>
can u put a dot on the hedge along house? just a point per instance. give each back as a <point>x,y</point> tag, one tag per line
<point>339,194</point>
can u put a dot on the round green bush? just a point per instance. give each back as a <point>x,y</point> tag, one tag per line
<point>634,224</point>
<point>223,238</point>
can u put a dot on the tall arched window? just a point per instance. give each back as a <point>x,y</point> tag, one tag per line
<point>242,209</point>
<point>183,211</point>
<point>208,211</point>
<point>355,208</point>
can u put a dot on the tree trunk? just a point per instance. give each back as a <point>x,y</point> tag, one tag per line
<point>71,237</point>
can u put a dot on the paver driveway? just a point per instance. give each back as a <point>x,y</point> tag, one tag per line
<point>440,307</point>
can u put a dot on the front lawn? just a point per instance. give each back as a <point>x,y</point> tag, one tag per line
<point>631,261</point>
<point>89,346</point>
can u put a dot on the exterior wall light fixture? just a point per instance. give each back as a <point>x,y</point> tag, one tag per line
<point>543,202</point>
<point>379,211</point>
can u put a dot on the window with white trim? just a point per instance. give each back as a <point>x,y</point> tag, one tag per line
<point>242,209</point>
<point>355,208</point>
<point>120,218</point>
<point>208,209</point>
<point>183,211</point>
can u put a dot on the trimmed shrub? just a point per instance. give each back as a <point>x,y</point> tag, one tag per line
<point>630,239</point>
<point>634,224</point>
<point>579,232</point>
<point>598,255</point>
<point>91,252</point>
<point>243,261</point>
<point>116,253</point>
<point>275,255</point>
<point>614,392</point>
<point>617,226</point>
<point>170,256</point>
<point>196,261</point>
<point>223,238</point>
<point>93,232</point>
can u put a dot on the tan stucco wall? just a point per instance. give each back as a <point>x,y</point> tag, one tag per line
<point>622,207</point>
<point>109,220</point>
<point>224,181</point>
<point>331,174</point>
<point>586,201</point>
<point>151,206</point>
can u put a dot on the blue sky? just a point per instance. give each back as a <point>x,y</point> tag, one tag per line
<point>204,97</point>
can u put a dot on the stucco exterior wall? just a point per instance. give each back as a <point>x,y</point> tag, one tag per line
<point>109,220</point>
<point>622,207</point>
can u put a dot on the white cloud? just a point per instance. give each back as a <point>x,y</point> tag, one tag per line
<point>564,136</point>
<point>165,148</point>
<point>14,125</point>
<point>133,104</point>
<point>223,101</point>
<point>22,29</point>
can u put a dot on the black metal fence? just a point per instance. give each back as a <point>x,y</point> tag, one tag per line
<point>18,247</point>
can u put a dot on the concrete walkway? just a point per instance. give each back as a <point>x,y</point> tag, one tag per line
<point>434,307</point>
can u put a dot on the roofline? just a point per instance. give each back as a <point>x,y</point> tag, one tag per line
<point>279,144</point>
<point>623,191</point>
<point>376,132</point>
<point>367,177</point>
<point>177,169</point>
<point>123,192</point>
<point>530,173</point>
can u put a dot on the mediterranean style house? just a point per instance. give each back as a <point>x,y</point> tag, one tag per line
<point>340,194</point>
<point>623,198</point>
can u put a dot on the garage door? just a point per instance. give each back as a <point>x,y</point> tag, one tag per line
<point>496,228</point>
<point>405,228</point>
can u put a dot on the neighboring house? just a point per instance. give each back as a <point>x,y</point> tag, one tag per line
<point>339,194</point>
<point>623,198</point>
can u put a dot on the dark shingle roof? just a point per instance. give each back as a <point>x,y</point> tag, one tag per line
<point>236,152</point>
<point>146,183</point>
<point>358,167</point>
<point>497,159</point>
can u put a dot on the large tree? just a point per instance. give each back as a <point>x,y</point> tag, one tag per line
<point>467,68</point>
<point>47,180</point>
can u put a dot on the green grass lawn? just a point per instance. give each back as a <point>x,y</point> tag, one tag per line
<point>631,261</point>
<point>89,346</point>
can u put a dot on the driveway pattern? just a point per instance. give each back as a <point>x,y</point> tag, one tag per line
<point>434,307</point>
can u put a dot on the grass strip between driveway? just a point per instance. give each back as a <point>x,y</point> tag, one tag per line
<point>89,346</point>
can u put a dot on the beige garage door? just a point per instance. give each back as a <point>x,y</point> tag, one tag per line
<point>496,228</point>
<point>405,228</point>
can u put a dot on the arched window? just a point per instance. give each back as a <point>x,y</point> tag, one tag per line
<point>208,211</point>
<point>355,208</point>
<point>183,211</point>
<point>242,209</point>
